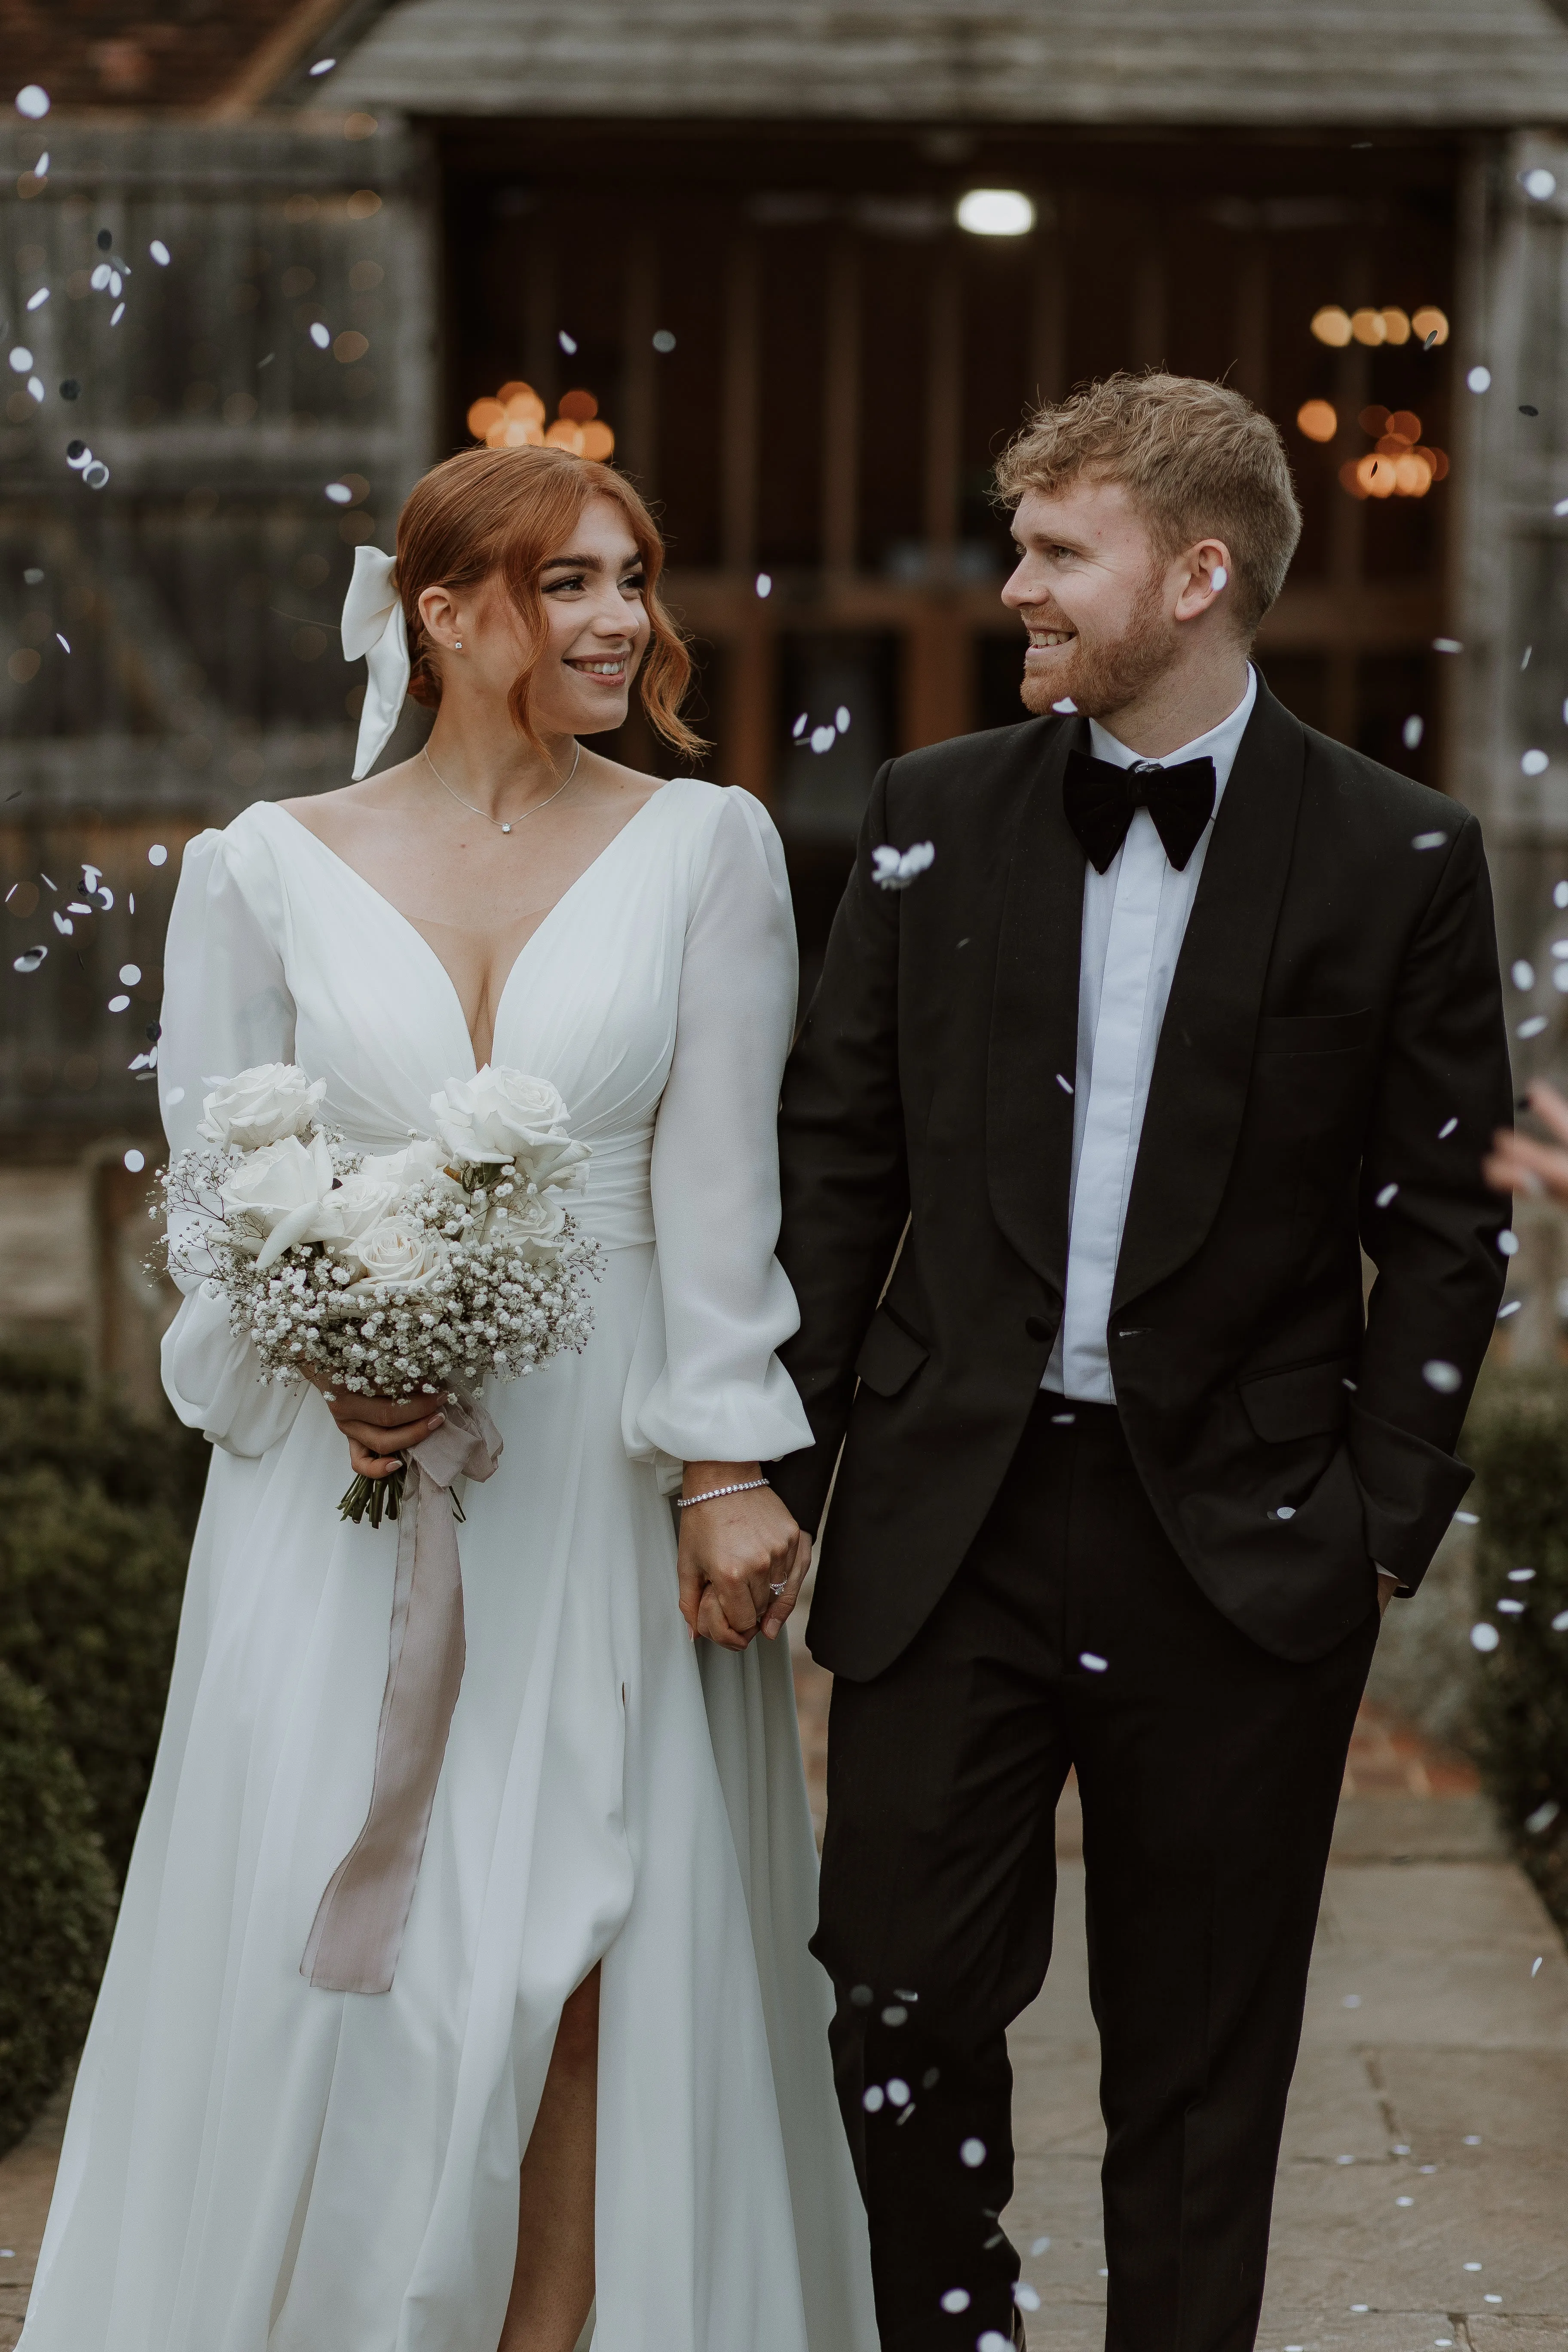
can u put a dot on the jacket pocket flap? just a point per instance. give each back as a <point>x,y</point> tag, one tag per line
<point>1314,1033</point>
<point>889,1356</point>
<point>1304,1401</point>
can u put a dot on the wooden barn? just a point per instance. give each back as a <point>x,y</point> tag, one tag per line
<point>809,264</point>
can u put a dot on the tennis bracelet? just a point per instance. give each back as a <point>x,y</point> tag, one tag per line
<point>748,1486</point>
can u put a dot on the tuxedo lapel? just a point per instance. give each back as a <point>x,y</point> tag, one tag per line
<point>1198,1091</point>
<point>1034,1022</point>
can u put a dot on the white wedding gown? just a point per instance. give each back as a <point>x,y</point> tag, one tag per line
<point>254,2166</point>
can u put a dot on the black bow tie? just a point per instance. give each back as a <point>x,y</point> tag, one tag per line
<point>1100,799</point>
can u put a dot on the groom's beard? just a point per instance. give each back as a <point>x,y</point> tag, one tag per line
<point>1105,674</point>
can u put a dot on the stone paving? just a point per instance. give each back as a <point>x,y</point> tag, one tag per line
<point>1423,2193</point>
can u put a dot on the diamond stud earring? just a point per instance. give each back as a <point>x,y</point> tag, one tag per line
<point>456,644</point>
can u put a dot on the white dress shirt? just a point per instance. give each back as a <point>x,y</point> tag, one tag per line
<point>1134,920</point>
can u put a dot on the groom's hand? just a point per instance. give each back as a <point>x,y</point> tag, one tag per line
<point>741,1558</point>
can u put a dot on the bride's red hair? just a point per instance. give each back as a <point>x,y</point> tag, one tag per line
<point>501,514</point>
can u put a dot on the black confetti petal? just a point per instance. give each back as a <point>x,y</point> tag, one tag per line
<point>70,389</point>
<point>1525,409</point>
<point>105,240</point>
<point>153,1031</point>
<point>75,449</point>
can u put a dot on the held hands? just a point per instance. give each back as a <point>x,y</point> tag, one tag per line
<point>1517,1163</point>
<point>379,1429</point>
<point>741,1560</point>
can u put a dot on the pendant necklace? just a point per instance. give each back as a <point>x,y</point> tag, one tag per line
<point>496,821</point>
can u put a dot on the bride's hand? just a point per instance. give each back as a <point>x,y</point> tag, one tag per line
<point>379,1430</point>
<point>741,1558</point>
<point>1519,1164</point>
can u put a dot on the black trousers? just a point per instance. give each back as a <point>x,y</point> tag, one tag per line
<point>1209,1773</point>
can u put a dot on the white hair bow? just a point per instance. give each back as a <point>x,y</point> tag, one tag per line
<point>374,628</point>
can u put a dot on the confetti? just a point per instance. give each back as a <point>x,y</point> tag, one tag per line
<point>1521,1575</point>
<point>1025,2295</point>
<point>116,315</point>
<point>1538,182</point>
<point>1526,410</point>
<point>956,2299</point>
<point>990,2340</point>
<point>765,583</point>
<point>1066,703</point>
<point>1543,1817</point>
<point>1065,1084</point>
<point>1535,763</point>
<point>971,2153</point>
<point>29,960</point>
<point>1479,379</point>
<point>157,854</point>
<point>1522,974</point>
<point>1404,2201</point>
<point>798,730</point>
<point>567,343</point>
<point>160,253</point>
<point>135,1161</point>
<point>823,738</point>
<point>1484,1637</point>
<point>1221,577</point>
<point>37,301</point>
<point>663,340</point>
<point>894,870</point>
<point>1533,1026</point>
<point>1429,841</point>
<point>874,2099</point>
<point>1510,1608</point>
<point>33,103</point>
<point>1344,2159</point>
<point>898,2092</point>
<point>1472,2266</point>
<point>21,359</point>
<point>895,2014</point>
<point>62,642</point>
<point>1560,1622</point>
<point>320,335</point>
<point>1472,2139</point>
<point>1445,1131</point>
<point>1535,1964</point>
<point>1447,646</point>
<point>1524,657</point>
<point>1413,730</point>
<point>1508,1243</point>
<point>841,718</point>
<point>1352,2000</point>
<point>1041,2246</point>
<point>1091,1664</point>
<point>340,494</point>
<point>321,66</point>
<point>118,1003</point>
<point>1386,1195</point>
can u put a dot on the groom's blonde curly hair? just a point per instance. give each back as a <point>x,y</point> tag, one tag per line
<point>1196,458</point>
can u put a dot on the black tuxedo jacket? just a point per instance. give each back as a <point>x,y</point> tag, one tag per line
<point>1333,1063</point>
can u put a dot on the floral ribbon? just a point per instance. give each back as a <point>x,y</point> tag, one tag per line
<point>375,631</point>
<point>359,1926</point>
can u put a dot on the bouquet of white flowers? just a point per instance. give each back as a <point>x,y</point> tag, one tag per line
<point>409,1273</point>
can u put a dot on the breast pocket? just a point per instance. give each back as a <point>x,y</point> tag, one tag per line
<point>1314,1033</point>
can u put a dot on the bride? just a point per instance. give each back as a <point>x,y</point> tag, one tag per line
<point>596,2099</point>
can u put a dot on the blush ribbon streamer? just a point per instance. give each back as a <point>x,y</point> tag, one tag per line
<point>359,1925</point>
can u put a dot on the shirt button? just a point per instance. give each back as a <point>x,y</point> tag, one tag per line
<point>1036,1327</point>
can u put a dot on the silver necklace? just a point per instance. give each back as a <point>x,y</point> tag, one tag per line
<point>496,821</point>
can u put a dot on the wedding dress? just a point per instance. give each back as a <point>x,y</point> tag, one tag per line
<point>252,2165</point>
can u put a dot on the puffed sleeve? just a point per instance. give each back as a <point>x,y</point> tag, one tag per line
<point>721,1393</point>
<point>226,1008</point>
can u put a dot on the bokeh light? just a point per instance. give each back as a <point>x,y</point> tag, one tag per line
<point>996,212</point>
<point>1318,419</point>
<point>1333,326</point>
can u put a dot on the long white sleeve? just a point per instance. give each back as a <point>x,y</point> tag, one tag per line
<point>226,1008</point>
<point>721,1394</point>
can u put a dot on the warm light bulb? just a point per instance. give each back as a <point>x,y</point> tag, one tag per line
<point>1430,323</point>
<point>996,212</point>
<point>1331,326</point>
<point>1318,420</point>
<point>1368,327</point>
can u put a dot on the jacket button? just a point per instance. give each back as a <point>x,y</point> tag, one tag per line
<point>1036,1327</point>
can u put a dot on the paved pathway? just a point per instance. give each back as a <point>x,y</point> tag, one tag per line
<point>1423,2197</point>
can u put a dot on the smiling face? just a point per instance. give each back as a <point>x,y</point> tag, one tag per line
<point>1107,612</point>
<point>596,629</point>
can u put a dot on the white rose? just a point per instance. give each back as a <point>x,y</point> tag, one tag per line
<point>498,1115</point>
<point>284,1191</point>
<point>536,1217</point>
<point>261,1106</point>
<point>397,1253</point>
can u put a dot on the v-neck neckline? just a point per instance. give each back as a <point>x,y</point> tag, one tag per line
<point>436,959</point>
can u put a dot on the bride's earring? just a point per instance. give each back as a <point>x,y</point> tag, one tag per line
<point>456,644</point>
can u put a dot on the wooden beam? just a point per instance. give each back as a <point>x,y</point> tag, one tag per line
<point>747,740</point>
<point>944,404</point>
<point>841,410</point>
<point>637,428</point>
<point>272,62</point>
<point>936,691</point>
<point>743,387</point>
<point>1048,312</point>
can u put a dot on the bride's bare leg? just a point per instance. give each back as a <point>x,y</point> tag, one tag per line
<point>552,2286</point>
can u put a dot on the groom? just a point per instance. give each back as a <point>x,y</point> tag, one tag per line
<point>1086,1134</point>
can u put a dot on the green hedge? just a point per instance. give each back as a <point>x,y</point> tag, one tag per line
<point>58,1908</point>
<point>1517,1440</point>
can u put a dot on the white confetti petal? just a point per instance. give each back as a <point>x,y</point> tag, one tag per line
<point>1522,974</point>
<point>1484,1637</point>
<point>1533,1026</point>
<point>1429,841</point>
<point>135,1160</point>
<point>1091,1664</point>
<point>320,335</point>
<point>971,2152</point>
<point>33,101</point>
<point>160,253</point>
